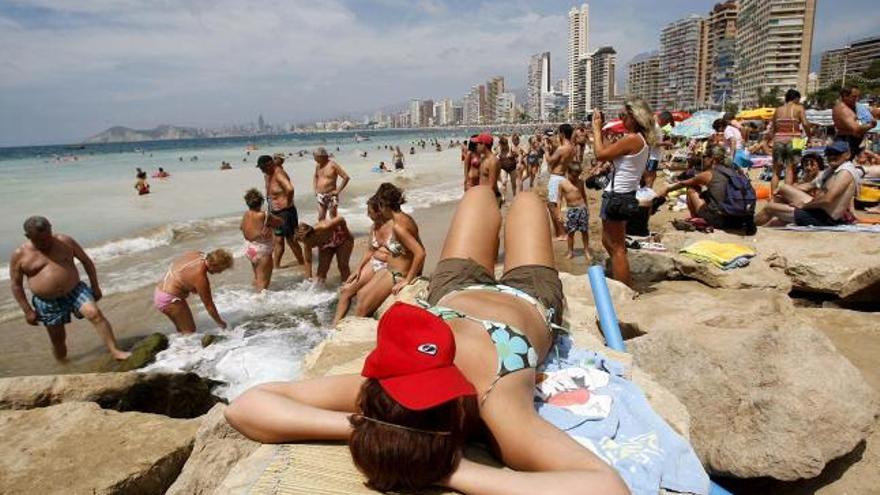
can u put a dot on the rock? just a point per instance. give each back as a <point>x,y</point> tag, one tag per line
<point>142,354</point>
<point>77,447</point>
<point>218,447</point>
<point>664,402</point>
<point>353,339</point>
<point>768,395</point>
<point>649,266</point>
<point>178,395</point>
<point>758,275</point>
<point>212,338</point>
<point>419,288</point>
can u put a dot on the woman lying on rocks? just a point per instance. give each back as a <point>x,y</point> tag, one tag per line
<point>408,415</point>
<point>392,260</point>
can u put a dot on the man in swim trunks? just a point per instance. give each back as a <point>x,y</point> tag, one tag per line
<point>325,183</point>
<point>846,122</point>
<point>560,159</point>
<point>490,168</point>
<point>47,260</point>
<point>280,191</point>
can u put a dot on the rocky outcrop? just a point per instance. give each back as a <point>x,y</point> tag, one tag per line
<point>176,395</point>
<point>353,339</point>
<point>419,288</point>
<point>143,353</point>
<point>77,447</point>
<point>217,448</point>
<point>768,395</point>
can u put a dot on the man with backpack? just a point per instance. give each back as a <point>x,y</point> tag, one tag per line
<point>721,194</point>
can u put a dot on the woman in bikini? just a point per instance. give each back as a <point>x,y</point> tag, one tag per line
<point>257,226</point>
<point>391,262</point>
<point>472,161</point>
<point>417,400</point>
<point>332,238</point>
<point>534,159</point>
<point>185,275</point>
<point>788,128</point>
<point>507,160</point>
<point>391,198</point>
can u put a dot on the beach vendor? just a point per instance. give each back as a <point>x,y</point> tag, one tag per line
<point>187,274</point>
<point>47,260</point>
<point>332,238</point>
<point>462,366</point>
<point>257,226</point>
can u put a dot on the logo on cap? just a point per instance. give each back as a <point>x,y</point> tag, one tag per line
<point>429,349</point>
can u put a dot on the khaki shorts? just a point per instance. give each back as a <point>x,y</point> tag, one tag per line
<point>538,281</point>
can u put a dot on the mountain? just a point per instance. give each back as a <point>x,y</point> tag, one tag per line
<point>121,134</point>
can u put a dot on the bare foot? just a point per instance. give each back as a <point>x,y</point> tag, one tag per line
<point>561,238</point>
<point>569,255</point>
<point>120,355</point>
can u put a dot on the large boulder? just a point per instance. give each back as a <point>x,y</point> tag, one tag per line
<point>419,288</point>
<point>143,353</point>
<point>758,275</point>
<point>178,395</point>
<point>218,447</point>
<point>768,395</point>
<point>77,447</point>
<point>353,339</point>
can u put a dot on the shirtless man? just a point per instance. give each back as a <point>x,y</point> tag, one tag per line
<point>577,216</point>
<point>560,159</point>
<point>846,123</point>
<point>489,165</point>
<point>47,261</point>
<point>280,190</point>
<point>327,173</point>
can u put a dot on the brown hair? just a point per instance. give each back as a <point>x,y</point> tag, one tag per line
<point>303,230</point>
<point>390,196</point>
<point>253,199</point>
<point>411,456</point>
<point>219,259</point>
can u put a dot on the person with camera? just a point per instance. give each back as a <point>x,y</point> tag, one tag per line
<point>629,157</point>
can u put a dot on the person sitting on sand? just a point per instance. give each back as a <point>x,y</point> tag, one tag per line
<point>332,238</point>
<point>186,274</point>
<point>47,260</point>
<point>142,186</point>
<point>833,190</point>
<point>325,183</point>
<point>393,259</point>
<point>418,401</point>
<point>811,166</point>
<point>257,226</point>
<point>577,216</point>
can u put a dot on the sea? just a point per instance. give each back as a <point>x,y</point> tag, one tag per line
<point>87,192</point>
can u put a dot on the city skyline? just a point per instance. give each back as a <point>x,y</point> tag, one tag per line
<point>72,69</point>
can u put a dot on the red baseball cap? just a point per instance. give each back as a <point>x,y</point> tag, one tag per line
<point>483,138</point>
<point>413,359</point>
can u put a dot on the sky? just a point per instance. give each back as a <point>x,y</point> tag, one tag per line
<point>72,68</point>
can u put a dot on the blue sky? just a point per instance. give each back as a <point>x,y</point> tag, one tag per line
<point>71,68</point>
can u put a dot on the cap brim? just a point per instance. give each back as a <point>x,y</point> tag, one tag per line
<point>427,389</point>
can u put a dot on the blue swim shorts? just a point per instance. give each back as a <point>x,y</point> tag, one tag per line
<point>54,312</point>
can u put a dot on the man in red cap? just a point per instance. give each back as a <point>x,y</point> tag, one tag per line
<point>489,166</point>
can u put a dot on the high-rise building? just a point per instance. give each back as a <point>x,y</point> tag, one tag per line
<point>580,95</point>
<point>485,116</point>
<point>719,73</point>
<point>494,88</point>
<point>812,83</point>
<point>643,78</point>
<point>682,58</point>
<point>538,83</point>
<point>457,114</point>
<point>578,49</point>
<point>426,114</point>
<point>854,60</point>
<point>602,84</point>
<point>561,86</point>
<point>415,112</point>
<point>774,40</point>
<point>471,110</point>
<point>554,105</point>
<point>505,105</point>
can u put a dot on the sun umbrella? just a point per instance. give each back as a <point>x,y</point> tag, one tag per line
<point>615,126</point>
<point>764,113</point>
<point>699,125</point>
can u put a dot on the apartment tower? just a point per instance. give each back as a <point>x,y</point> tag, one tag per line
<point>602,84</point>
<point>643,78</point>
<point>578,61</point>
<point>682,63</point>
<point>538,83</point>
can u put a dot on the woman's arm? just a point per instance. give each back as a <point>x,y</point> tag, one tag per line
<point>412,245</point>
<point>476,479</point>
<point>698,180</point>
<point>203,287</point>
<point>295,411</point>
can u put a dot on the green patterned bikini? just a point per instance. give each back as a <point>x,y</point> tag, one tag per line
<point>514,350</point>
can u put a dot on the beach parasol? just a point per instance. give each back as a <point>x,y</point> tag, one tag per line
<point>764,113</point>
<point>820,117</point>
<point>615,126</point>
<point>699,125</point>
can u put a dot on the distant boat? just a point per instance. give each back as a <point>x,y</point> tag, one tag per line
<point>358,138</point>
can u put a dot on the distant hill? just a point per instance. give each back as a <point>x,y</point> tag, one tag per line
<point>121,134</point>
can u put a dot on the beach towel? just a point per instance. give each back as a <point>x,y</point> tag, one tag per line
<point>852,227</point>
<point>621,429</point>
<point>724,255</point>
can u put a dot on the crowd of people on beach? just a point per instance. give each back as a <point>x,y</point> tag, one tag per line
<point>490,381</point>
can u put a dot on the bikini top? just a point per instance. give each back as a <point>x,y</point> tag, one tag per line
<point>475,161</point>
<point>788,126</point>
<point>514,350</point>
<point>393,247</point>
<point>202,258</point>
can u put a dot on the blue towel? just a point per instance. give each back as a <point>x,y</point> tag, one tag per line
<point>633,439</point>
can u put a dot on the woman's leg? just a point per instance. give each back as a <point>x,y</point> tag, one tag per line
<point>372,295</point>
<point>774,179</point>
<point>343,258</point>
<point>473,232</point>
<point>527,238</point>
<point>790,173</point>
<point>694,201</point>
<point>181,316</point>
<point>614,240</point>
<point>325,259</point>
<point>348,291</point>
<point>263,273</point>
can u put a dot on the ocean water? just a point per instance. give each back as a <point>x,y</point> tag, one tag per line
<point>88,193</point>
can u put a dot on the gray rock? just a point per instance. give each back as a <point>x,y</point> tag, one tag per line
<point>143,353</point>
<point>77,447</point>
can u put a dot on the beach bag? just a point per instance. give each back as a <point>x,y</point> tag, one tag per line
<point>740,197</point>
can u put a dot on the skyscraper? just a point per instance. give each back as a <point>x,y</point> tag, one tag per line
<point>856,58</point>
<point>643,78</point>
<point>773,45</point>
<point>538,83</point>
<point>471,106</point>
<point>494,88</point>
<point>578,68</point>
<point>720,70</point>
<point>831,67</point>
<point>602,84</point>
<point>682,58</point>
<point>415,112</point>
